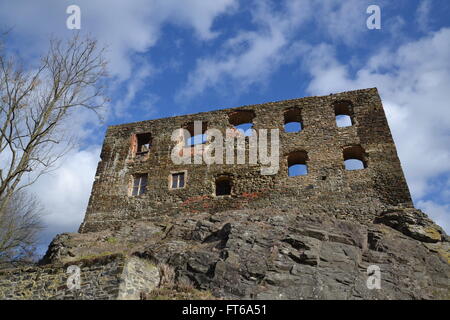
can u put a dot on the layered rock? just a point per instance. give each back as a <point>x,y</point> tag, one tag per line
<point>282,254</point>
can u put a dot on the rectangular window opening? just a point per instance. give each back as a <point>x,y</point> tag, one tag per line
<point>143,143</point>
<point>178,180</point>
<point>139,185</point>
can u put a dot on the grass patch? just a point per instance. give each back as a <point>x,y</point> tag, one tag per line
<point>111,240</point>
<point>179,292</point>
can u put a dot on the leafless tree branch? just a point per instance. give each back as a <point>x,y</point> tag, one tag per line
<point>19,228</point>
<point>35,105</point>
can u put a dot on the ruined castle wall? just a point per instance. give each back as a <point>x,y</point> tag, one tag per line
<point>356,195</point>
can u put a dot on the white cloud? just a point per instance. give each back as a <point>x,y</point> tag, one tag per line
<point>423,15</point>
<point>251,56</point>
<point>439,213</point>
<point>413,82</point>
<point>127,27</point>
<point>198,14</point>
<point>413,79</point>
<point>343,21</point>
<point>65,191</point>
<point>137,87</point>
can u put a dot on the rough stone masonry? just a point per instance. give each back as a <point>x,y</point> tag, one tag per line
<point>229,230</point>
<point>321,145</point>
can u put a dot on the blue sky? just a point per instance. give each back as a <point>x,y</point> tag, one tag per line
<point>170,57</point>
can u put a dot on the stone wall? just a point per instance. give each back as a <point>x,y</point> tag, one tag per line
<point>327,188</point>
<point>102,278</point>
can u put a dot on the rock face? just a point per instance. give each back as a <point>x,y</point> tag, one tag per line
<point>275,254</point>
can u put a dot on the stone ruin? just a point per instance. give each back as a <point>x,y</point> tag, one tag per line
<point>142,150</point>
<point>309,230</point>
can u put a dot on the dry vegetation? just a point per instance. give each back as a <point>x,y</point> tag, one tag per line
<point>172,289</point>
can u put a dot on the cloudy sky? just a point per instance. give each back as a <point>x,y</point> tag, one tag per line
<point>172,57</point>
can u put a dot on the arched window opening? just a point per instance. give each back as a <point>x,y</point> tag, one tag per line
<point>343,111</point>
<point>198,139</point>
<point>343,121</point>
<point>298,170</point>
<point>297,163</point>
<point>242,120</point>
<point>354,158</point>
<point>353,164</point>
<point>193,139</point>
<point>245,129</point>
<point>223,186</point>
<point>293,120</point>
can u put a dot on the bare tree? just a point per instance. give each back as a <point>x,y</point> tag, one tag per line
<point>36,107</point>
<point>19,228</point>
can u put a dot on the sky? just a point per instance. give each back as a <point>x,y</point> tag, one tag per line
<point>169,57</point>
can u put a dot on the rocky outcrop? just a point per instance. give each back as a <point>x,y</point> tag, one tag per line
<point>413,223</point>
<point>276,254</point>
